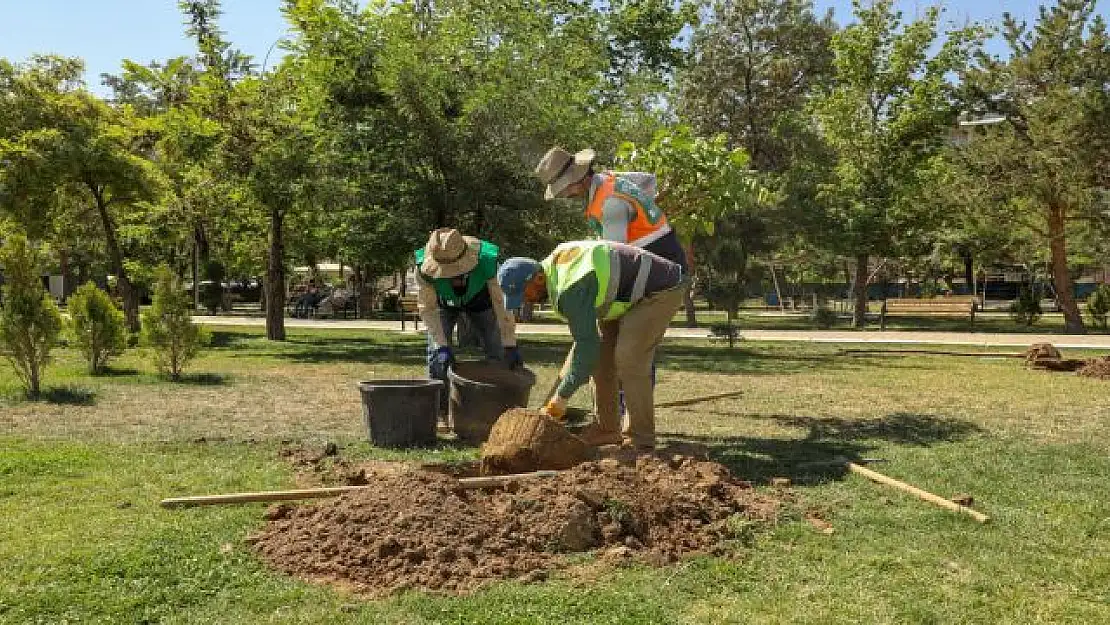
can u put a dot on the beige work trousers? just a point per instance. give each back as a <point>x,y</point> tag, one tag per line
<point>627,350</point>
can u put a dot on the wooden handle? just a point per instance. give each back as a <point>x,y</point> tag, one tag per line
<point>875,476</point>
<point>698,400</point>
<point>468,483</point>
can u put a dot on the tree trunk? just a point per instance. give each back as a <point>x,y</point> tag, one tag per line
<point>969,272</point>
<point>688,299</point>
<point>275,279</point>
<point>859,291</point>
<point>35,381</point>
<point>115,255</point>
<point>691,313</point>
<point>778,290</point>
<point>1061,279</point>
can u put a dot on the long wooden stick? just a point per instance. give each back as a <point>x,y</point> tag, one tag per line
<point>468,483</point>
<point>697,400</point>
<point>875,476</point>
<point>932,352</point>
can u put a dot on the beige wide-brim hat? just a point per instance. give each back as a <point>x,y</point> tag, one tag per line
<point>559,169</point>
<point>449,254</point>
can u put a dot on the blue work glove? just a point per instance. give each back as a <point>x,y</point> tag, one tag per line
<point>444,356</point>
<point>513,359</point>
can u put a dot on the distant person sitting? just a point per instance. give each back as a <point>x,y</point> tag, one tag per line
<point>306,303</point>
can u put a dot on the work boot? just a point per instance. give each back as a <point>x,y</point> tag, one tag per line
<point>594,436</point>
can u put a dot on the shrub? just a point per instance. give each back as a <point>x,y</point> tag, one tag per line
<point>1098,305</point>
<point>97,326</point>
<point>29,322</point>
<point>1026,309</point>
<point>168,327</point>
<point>822,317</point>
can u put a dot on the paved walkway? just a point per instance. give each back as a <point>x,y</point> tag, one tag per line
<point>983,339</point>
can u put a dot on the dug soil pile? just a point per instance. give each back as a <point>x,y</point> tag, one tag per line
<point>1097,368</point>
<point>420,530</point>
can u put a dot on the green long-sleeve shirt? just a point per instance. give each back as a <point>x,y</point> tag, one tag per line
<point>578,306</point>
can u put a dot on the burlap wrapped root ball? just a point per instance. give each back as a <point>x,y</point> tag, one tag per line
<point>527,440</point>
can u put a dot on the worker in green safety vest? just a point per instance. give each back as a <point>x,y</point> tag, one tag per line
<point>590,281</point>
<point>458,277</point>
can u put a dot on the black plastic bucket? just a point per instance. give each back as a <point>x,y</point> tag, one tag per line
<point>401,413</point>
<point>480,392</point>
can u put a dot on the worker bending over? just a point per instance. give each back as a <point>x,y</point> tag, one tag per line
<point>637,292</point>
<point>458,277</point>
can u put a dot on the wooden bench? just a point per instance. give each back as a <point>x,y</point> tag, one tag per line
<point>409,307</point>
<point>956,306</point>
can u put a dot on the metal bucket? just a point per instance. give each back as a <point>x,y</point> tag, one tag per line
<point>401,413</point>
<point>480,392</point>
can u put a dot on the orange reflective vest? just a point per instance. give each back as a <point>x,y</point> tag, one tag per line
<point>649,223</point>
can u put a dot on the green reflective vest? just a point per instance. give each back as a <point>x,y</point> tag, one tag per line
<point>577,260</point>
<point>483,272</point>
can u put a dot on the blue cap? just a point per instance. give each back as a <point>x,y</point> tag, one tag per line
<point>512,276</point>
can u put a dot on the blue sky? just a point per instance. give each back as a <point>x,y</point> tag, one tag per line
<point>103,32</point>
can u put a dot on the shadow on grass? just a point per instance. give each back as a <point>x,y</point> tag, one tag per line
<point>118,372</point>
<point>811,458</point>
<point>409,350</point>
<point>68,396</point>
<point>202,379</point>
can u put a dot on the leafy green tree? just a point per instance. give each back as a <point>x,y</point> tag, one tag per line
<point>754,67</point>
<point>97,326</point>
<point>29,320</point>
<point>713,200</point>
<point>1047,167</point>
<point>168,327</point>
<point>884,118</point>
<point>64,137</point>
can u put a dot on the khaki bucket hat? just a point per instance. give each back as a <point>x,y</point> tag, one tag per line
<point>449,254</point>
<point>559,169</point>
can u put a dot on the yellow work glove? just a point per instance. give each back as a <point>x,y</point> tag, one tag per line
<point>556,408</point>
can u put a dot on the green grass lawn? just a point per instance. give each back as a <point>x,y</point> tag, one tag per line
<point>82,539</point>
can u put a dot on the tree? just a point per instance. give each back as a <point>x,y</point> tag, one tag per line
<point>1047,167</point>
<point>754,67</point>
<point>703,184</point>
<point>884,118</point>
<point>29,320</point>
<point>63,137</point>
<point>98,327</point>
<point>168,327</point>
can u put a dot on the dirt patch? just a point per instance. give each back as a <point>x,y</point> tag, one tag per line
<point>324,466</point>
<point>1096,368</point>
<point>1059,364</point>
<point>419,530</point>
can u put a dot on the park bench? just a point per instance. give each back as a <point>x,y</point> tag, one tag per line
<point>955,306</point>
<point>409,307</point>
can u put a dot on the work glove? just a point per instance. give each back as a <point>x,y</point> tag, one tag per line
<point>513,359</point>
<point>444,356</point>
<point>556,408</point>
<point>443,360</point>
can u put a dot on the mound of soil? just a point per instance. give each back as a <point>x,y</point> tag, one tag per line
<point>420,530</point>
<point>1096,368</point>
<point>1041,351</point>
